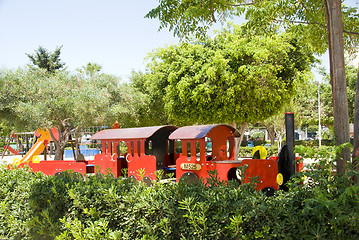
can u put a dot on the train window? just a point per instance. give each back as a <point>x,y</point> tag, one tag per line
<point>208,149</point>
<point>99,144</point>
<point>122,148</point>
<point>148,147</point>
<point>139,148</point>
<point>116,148</point>
<point>170,145</point>
<point>189,150</point>
<point>178,146</point>
<point>198,154</point>
<point>228,151</point>
<point>132,149</point>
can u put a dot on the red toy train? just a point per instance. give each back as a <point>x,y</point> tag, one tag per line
<point>186,152</point>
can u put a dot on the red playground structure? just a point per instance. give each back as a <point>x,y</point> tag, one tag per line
<point>188,153</point>
<point>196,160</point>
<point>144,148</point>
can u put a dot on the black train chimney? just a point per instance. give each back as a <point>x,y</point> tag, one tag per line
<point>289,125</point>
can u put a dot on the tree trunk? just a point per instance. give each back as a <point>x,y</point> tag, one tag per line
<point>64,134</point>
<point>271,133</point>
<point>59,153</point>
<point>238,141</point>
<point>355,154</point>
<point>333,15</point>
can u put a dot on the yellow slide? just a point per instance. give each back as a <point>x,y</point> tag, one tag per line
<point>38,147</point>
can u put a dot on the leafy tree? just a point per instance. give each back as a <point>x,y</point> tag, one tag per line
<point>321,23</point>
<point>44,59</point>
<point>232,78</point>
<point>5,130</point>
<point>355,154</point>
<point>152,112</point>
<point>63,100</point>
<point>90,69</point>
<point>326,97</point>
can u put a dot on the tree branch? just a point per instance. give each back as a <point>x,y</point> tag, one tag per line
<point>212,11</point>
<point>242,4</point>
<point>354,33</point>
<point>302,22</point>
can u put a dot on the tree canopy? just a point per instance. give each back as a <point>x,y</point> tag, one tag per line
<point>326,25</point>
<point>32,99</point>
<point>44,59</point>
<point>230,78</point>
<point>306,18</point>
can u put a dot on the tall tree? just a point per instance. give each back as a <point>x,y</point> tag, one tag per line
<point>355,154</point>
<point>230,78</point>
<point>44,59</point>
<point>63,100</point>
<point>320,22</point>
<point>147,86</point>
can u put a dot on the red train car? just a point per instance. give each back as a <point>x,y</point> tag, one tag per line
<point>188,152</point>
<point>211,147</point>
<point>145,149</point>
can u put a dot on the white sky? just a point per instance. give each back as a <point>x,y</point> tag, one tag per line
<point>112,33</point>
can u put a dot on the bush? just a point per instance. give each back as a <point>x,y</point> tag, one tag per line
<point>247,151</point>
<point>15,210</point>
<point>319,205</point>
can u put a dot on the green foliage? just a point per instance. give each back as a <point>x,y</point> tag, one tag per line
<point>5,130</point>
<point>47,60</point>
<point>247,151</point>
<point>147,85</point>
<point>31,99</point>
<point>305,18</point>
<point>15,207</point>
<point>318,205</point>
<point>326,95</point>
<point>90,69</point>
<point>234,77</point>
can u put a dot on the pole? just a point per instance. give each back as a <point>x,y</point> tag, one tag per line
<point>289,124</point>
<point>319,125</point>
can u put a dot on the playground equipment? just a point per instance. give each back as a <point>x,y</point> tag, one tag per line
<point>22,143</point>
<point>188,153</point>
<point>38,147</point>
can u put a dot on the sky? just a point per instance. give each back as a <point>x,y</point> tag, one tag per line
<point>111,33</point>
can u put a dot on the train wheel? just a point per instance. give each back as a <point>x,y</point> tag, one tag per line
<point>189,177</point>
<point>148,181</point>
<point>99,175</point>
<point>269,191</point>
<point>235,175</point>
<point>75,175</point>
<point>133,178</point>
<point>78,176</point>
<point>59,174</point>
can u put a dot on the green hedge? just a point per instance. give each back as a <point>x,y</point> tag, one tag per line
<point>34,206</point>
<point>247,151</point>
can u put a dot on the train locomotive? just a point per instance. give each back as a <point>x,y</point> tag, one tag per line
<point>189,153</point>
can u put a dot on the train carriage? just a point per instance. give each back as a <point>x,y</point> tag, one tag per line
<point>212,147</point>
<point>189,152</point>
<point>144,149</point>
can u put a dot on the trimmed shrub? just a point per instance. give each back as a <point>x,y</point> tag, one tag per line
<point>318,205</point>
